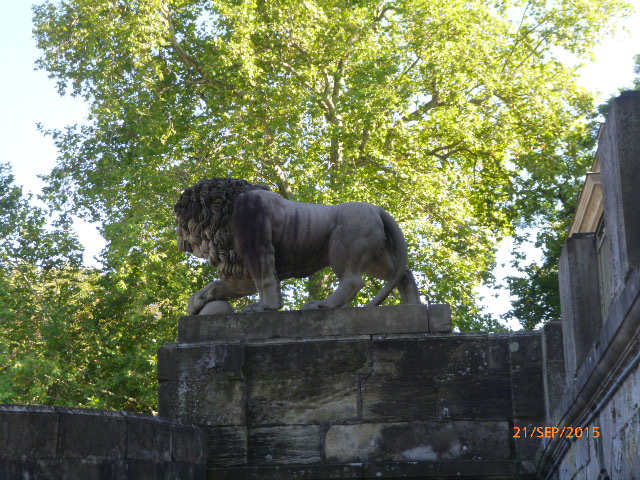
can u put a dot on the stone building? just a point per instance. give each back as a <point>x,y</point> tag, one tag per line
<point>600,287</point>
<point>390,392</point>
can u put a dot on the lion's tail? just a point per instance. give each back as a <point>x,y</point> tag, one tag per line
<point>392,229</point>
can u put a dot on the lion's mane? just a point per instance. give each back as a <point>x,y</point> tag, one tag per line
<point>204,214</point>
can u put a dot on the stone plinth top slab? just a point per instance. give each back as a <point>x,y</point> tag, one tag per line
<point>310,324</point>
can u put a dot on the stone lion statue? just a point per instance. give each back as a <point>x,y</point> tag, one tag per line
<point>256,238</point>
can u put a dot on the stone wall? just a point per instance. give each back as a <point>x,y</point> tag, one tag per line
<point>616,451</point>
<point>354,393</point>
<point>53,443</point>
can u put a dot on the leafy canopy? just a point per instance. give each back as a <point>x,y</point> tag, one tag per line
<point>456,116</point>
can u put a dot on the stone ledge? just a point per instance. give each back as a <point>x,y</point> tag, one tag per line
<point>59,442</point>
<point>309,324</point>
<point>475,469</point>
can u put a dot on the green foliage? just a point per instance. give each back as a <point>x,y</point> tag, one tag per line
<point>536,288</point>
<point>71,335</point>
<point>434,110</point>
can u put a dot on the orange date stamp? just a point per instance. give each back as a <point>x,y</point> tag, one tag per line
<point>556,432</point>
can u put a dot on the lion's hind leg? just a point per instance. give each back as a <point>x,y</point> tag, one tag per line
<point>382,268</point>
<point>409,289</point>
<point>350,284</point>
<point>350,250</point>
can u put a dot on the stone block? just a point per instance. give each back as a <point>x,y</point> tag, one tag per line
<point>579,299</point>
<point>554,377</point>
<point>306,359</point>
<point>307,324</point>
<point>28,436</point>
<point>148,440</point>
<point>188,444</point>
<point>553,345</point>
<point>460,354</point>
<point>619,151</point>
<point>190,362</point>
<point>216,402</point>
<point>527,387</point>
<point>308,400</point>
<point>78,439</point>
<point>491,469</point>
<point>226,446</point>
<point>187,471</point>
<point>67,469</point>
<point>479,397</point>
<point>499,355</point>
<point>281,472</point>
<point>440,318</point>
<point>146,470</point>
<point>410,397</point>
<point>528,442</point>
<point>285,445</point>
<point>418,442</point>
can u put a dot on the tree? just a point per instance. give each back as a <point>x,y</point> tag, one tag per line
<point>38,290</point>
<point>70,335</point>
<point>536,289</point>
<point>454,116</point>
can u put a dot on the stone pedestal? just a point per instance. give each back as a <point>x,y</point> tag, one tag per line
<point>377,392</point>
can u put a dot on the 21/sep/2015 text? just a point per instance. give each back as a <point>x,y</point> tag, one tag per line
<point>556,432</point>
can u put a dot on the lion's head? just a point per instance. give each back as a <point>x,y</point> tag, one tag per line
<point>203,214</point>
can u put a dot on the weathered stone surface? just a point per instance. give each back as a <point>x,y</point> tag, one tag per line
<point>479,397</point>
<point>27,435</point>
<point>300,324</point>
<point>527,439</point>
<point>499,361</point>
<point>280,472</point>
<point>226,446</point>
<point>291,444</point>
<point>417,442</point>
<point>579,299</point>
<point>308,400</point>
<point>475,469</point>
<point>78,439</point>
<point>214,402</point>
<point>74,443</point>
<point>399,398</point>
<point>460,354</point>
<point>190,362</point>
<point>553,365</point>
<point>306,359</point>
<point>187,445</point>
<point>619,150</point>
<point>440,318</point>
<point>527,388</point>
<point>66,469</point>
<point>148,440</point>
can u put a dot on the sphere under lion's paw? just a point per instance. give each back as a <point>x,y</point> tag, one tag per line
<point>217,307</point>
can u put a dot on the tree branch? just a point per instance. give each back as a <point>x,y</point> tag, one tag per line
<point>191,62</point>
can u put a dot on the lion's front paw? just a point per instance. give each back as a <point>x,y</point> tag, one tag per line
<point>259,307</point>
<point>314,305</point>
<point>196,302</point>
